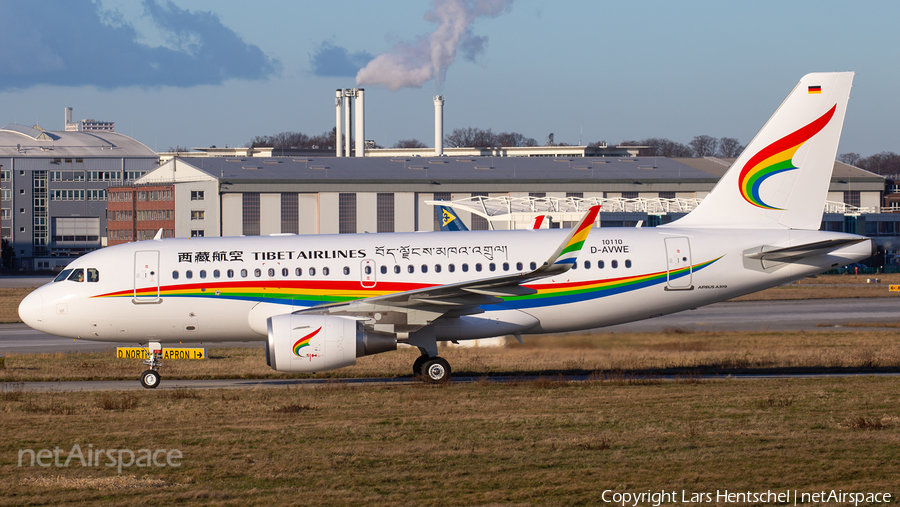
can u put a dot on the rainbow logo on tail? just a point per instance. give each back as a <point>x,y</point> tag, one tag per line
<point>304,342</point>
<point>776,158</point>
<point>569,253</point>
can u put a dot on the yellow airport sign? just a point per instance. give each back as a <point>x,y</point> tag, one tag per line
<point>895,288</point>
<point>141,353</point>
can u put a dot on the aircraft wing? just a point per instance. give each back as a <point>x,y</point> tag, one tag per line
<point>410,310</point>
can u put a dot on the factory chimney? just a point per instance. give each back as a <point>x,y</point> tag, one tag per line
<point>438,125</point>
<point>360,122</point>
<point>338,106</point>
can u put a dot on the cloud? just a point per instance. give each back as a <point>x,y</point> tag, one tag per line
<point>329,60</point>
<point>412,64</point>
<point>74,43</point>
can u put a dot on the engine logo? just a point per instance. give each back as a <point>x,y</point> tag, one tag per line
<point>304,342</point>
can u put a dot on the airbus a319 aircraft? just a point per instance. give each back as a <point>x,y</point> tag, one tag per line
<point>322,301</point>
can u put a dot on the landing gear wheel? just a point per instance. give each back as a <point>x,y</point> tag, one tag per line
<point>417,366</point>
<point>150,379</point>
<point>436,370</point>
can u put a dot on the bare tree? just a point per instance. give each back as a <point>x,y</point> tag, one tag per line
<point>886,163</point>
<point>661,147</point>
<point>470,138</point>
<point>295,140</point>
<point>514,139</point>
<point>704,146</point>
<point>409,143</point>
<point>729,147</point>
<point>851,158</point>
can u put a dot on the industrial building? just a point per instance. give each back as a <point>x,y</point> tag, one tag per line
<point>250,196</point>
<point>53,188</point>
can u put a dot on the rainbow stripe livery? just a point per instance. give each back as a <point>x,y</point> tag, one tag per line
<point>304,342</point>
<point>776,158</point>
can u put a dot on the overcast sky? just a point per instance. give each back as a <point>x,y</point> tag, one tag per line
<point>205,72</point>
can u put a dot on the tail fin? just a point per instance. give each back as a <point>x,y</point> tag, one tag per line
<point>449,220</point>
<point>781,179</point>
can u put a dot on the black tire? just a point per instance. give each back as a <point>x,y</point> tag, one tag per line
<point>436,370</point>
<point>150,379</point>
<point>417,366</point>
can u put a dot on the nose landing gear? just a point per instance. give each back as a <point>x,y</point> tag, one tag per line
<point>151,378</point>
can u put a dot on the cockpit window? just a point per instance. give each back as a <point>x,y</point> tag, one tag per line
<point>62,275</point>
<point>93,275</point>
<point>77,275</point>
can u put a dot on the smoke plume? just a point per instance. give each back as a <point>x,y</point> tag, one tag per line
<point>411,64</point>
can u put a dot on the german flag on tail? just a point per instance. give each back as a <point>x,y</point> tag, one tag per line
<point>815,89</point>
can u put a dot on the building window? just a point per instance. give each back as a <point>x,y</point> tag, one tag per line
<point>851,198</point>
<point>251,214</point>
<point>667,195</point>
<point>196,233</point>
<point>629,195</point>
<point>5,175</point>
<point>6,194</point>
<point>438,218</point>
<point>537,194</point>
<point>197,195</point>
<point>385,211</point>
<point>479,223</point>
<point>346,213</point>
<point>579,195</point>
<point>5,214</point>
<point>290,213</point>
<point>197,214</point>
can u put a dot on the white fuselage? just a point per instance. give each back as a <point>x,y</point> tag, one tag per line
<point>224,289</point>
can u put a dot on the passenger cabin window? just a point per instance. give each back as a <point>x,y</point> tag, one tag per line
<point>451,268</point>
<point>230,273</point>
<point>477,266</point>
<point>216,273</point>
<point>505,266</point>
<point>271,271</point>
<point>312,271</point>
<point>410,269</point>
<point>298,272</point>
<point>202,273</point>
<point>424,268</point>
<point>62,275</point>
<point>189,274</point>
<point>627,263</point>
<point>437,268</point>
<point>94,276</point>
<point>243,273</point>
<point>325,271</point>
<point>465,268</point>
<point>77,275</point>
<point>397,270</point>
<point>368,270</point>
<point>285,272</point>
<point>174,275</point>
<point>257,272</point>
<point>587,264</point>
<point>533,265</point>
<point>614,264</point>
<point>519,266</point>
<point>383,270</point>
<point>492,266</point>
<point>599,264</point>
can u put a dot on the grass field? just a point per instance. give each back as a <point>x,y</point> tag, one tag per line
<point>531,442</point>
<point>673,351</point>
<point>540,442</point>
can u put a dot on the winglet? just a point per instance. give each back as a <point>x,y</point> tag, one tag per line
<point>567,254</point>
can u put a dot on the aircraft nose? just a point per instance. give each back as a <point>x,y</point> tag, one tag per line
<point>31,310</point>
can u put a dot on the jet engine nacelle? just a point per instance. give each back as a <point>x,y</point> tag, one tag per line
<point>311,343</point>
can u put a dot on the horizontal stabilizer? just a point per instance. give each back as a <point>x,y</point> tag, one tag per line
<point>793,253</point>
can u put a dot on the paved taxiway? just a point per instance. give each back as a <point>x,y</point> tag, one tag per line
<point>808,315</point>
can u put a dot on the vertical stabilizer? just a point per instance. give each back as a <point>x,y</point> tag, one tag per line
<point>781,179</point>
<point>449,220</point>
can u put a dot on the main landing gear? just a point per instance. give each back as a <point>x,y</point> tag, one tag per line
<point>432,369</point>
<point>151,378</point>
